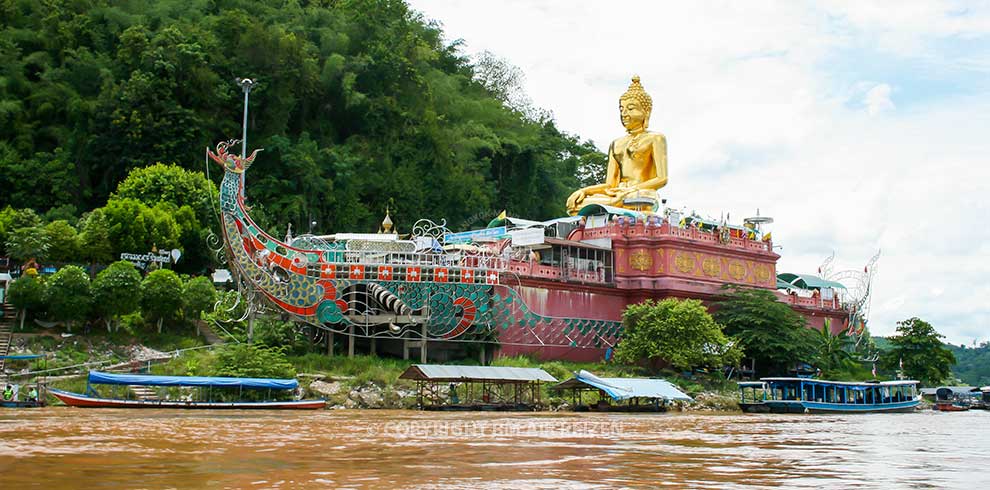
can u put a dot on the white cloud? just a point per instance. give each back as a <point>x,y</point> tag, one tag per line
<point>877,100</point>
<point>757,116</point>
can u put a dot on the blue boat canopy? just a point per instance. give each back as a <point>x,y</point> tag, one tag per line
<point>625,388</point>
<point>100,378</point>
<point>21,357</point>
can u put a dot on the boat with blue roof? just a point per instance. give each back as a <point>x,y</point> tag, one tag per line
<point>806,395</point>
<point>212,391</point>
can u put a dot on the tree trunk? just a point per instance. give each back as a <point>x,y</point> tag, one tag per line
<point>159,325</point>
<point>23,316</point>
<point>109,322</point>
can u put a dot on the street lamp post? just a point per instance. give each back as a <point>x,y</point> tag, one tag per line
<point>246,85</point>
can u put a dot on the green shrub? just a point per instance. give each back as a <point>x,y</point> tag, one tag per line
<point>68,295</point>
<point>253,361</point>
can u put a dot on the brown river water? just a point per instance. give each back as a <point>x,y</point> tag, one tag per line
<point>57,447</point>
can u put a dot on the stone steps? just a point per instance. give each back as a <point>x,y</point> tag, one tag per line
<point>209,335</point>
<point>144,393</point>
<point>6,333</point>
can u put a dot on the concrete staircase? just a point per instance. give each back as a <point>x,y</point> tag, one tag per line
<point>6,333</point>
<point>208,333</point>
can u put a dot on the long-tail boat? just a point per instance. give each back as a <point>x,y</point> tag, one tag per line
<point>806,395</point>
<point>210,389</point>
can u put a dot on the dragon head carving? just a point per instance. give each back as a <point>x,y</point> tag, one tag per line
<point>230,161</point>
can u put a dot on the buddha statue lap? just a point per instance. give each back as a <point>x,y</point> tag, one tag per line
<point>637,162</point>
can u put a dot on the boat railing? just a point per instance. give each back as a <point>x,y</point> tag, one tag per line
<point>647,230</point>
<point>840,393</point>
<point>420,259</point>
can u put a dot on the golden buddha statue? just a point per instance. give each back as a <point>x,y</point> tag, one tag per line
<point>637,162</point>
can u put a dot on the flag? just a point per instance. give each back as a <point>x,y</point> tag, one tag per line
<point>501,215</point>
<point>683,223</point>
<point>767,237</point>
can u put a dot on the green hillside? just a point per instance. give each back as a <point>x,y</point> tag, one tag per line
<point>972,364</point>
<point>360,104</point>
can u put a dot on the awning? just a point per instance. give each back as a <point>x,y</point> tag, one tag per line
<point>594,209</point>
<point>440,373</point>
<point>808,281</point>
<point>100,378</point>
<point>625,388</point>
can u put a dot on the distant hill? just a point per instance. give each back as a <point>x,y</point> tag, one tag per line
<point>972,363</point>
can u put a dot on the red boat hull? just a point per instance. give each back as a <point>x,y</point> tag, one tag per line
<point>949,407</point>
<point>83,401</point>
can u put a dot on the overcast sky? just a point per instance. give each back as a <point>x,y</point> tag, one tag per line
<point>857,126</point>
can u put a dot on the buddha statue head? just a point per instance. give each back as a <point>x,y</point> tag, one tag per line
<point>635,106</point>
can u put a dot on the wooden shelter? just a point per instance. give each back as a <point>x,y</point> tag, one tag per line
<point>477,387</point>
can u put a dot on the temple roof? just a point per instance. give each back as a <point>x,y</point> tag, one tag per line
<point>807,281</point>
<point>595,209</point>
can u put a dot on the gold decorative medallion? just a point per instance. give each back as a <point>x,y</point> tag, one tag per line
<point>641,260</point>
<point>737,271</point>
<point>711,266</point>
<point>684,262</point>
<point>762,273</point>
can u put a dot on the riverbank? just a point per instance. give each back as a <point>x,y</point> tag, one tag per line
<point>358,382</point>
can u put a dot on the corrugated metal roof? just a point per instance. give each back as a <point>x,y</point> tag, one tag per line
<point>437,372</point>
<point>626,388</point>
<point>848,383</point>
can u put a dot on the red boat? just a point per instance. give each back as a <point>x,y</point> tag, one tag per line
<point>949,406</point>
<point>92,399</point>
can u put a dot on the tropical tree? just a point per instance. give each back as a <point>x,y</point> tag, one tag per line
<point>198,295</point>
<point>94,239</point>
<point>919,347</point>
<point>137,228</point>
<point>68,295</point>
<point>172,184</point>
<point>27,243</point>
<point>770,332</point>
<point>253,361</point>
<point>833,351</point>
<point>676,333</point>
<point>116,292</point>
<point>63,242</point>
<point>161,296</point>
<point>27,293</point>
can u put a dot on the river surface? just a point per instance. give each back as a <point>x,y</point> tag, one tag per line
<point>61,447</point>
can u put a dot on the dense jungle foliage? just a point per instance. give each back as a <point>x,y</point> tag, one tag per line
<point>972,363</point>
<point>360,104</point>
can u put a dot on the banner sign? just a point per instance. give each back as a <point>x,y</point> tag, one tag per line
<point>527,236</point>
<point>474,235</point>
<point>162,257</point>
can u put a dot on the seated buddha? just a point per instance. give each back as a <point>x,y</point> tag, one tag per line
<point>637,162</point>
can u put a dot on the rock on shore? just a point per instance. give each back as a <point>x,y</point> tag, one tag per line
<point>365,395</point>
<point>713,402</point>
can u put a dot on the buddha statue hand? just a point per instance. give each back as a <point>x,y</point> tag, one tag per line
<point>577,197</point>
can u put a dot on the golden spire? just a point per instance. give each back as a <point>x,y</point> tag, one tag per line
<point>386,223</point>
<point>636,93</point>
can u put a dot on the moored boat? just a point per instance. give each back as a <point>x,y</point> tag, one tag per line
<point>954,399</point>
<point>804,395</point>
<point>206,385</point>
<point>18,394</point>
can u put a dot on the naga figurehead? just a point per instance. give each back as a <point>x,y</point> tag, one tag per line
<point>229,161</point>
